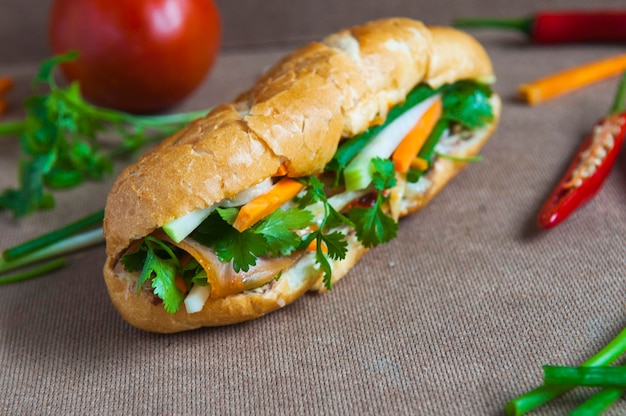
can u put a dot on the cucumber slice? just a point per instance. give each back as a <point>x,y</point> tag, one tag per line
<point>195,300</point>
<point>357,174</point>
<point>181,227</point>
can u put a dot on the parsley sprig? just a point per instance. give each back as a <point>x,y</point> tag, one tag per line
<point>61,142</point>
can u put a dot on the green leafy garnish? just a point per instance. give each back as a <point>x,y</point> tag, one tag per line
<point>372,225</point>
<point>467,103</point>
<point>272,236</point>
<point>351,147</point>
<point>60,141</point>
<point>464,102</point>
<point>335,242</point>
<point>159,265</point>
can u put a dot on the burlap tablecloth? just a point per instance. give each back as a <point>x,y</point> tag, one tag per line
<point>455,316</point>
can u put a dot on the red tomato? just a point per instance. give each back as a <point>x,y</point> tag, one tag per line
<point>136,55</point>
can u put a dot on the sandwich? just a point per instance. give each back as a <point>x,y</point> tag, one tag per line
<point>281,191</point>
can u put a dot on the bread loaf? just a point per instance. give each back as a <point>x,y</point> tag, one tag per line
<point>294,117</point>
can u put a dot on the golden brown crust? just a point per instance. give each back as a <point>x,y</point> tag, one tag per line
<point>295,116</point>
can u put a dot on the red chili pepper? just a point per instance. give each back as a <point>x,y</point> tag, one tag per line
<point>590,167</point>
<point>567,26</point>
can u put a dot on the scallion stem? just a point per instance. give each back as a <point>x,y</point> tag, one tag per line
<point>34,272</point>
<point>545,393</point>
<point>460,159</point>
<point>67,245</point>
<point>619,102</point>
<point>598,403</point>
<point>53,236</point>
<point>585,376</point>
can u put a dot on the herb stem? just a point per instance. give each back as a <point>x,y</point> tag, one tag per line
<point>66,245</point>
<point>12,128</point>
<point>35,272</point>
<point>53,236</point>
<point>619,101</point>
<point>543,394</point>
<point>598,376</point>
<point>117,117</point>
<point>599,402</point>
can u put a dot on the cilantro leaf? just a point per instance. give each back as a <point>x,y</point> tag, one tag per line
<point>372,225</point>
<point>277,229</point>
<point>229,244</point>
<point>194,274</point>
<point>161,266</point>
<point>336,245</point>
<point>133,261</point>
<point>467,103</point>
<point>241,248</point>
<point>62,127</point>
<point>383,173</point>
<point>272,236</point>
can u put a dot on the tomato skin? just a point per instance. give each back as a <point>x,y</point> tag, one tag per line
<point>140,55</point>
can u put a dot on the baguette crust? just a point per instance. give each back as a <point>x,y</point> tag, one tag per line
<point>294,116</point>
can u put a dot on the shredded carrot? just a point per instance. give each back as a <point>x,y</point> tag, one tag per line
<point>411,144</point>
<point>313,247</point>
<point>419,163</point>
<point>263,205</point>
<point>282,170</point>
<point>6,83</point>
<point>571,79</point>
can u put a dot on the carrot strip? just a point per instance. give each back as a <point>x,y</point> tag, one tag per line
<point>6,83</point>
<point>411,144</point>
<point>571,79</point>
<point>282,170</point>
<point>265,204</point>
<point>312,247</point>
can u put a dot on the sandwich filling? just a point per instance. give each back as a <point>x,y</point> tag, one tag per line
<point>374,178</point>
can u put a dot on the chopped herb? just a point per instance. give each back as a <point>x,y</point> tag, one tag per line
<point>59,140</point>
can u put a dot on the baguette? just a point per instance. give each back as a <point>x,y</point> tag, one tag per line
<point>291,121</point>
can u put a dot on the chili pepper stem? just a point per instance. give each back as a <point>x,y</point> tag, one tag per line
<point>523,24</point>
<point>619,102</point>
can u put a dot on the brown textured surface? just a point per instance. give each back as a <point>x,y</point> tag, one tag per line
<point>455,316</point>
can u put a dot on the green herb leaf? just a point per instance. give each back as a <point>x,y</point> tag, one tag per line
<point>467,103</point>
<point>383,173</point>
<point>194,274</point>
<point>372,225</point>
<point>160,266</point>
<point>273,236</point>
<point>277,229</point>
<point>336,244</point>
<point>133,261</point>
<point>63,129</point>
